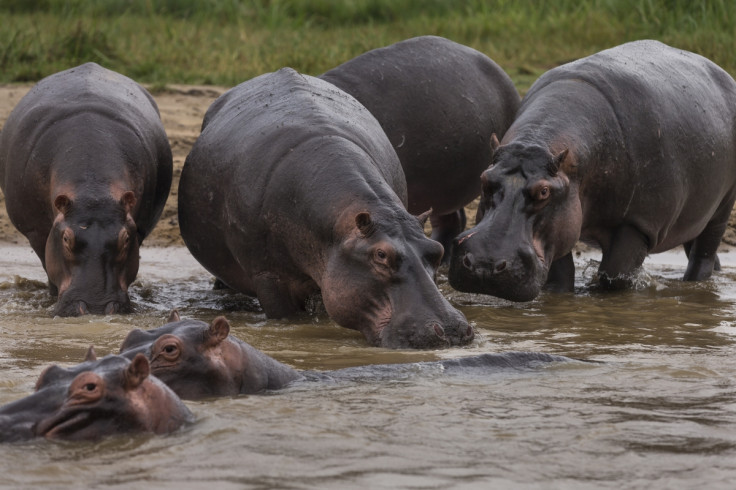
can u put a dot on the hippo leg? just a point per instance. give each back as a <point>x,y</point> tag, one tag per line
<point>274,297</point>
<point>701,252</point>
<point>561,275</point>
<point>688,245</point>
<point>445,228</point>
<point>625,253</point>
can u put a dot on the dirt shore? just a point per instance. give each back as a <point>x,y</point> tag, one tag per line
<point>182,108</point>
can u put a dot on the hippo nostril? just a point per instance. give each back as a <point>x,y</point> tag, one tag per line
<point>469,331</point>
<point>500,266</point>
<point>468,261</point>
<point>439,330</point>
<point>111,308</point>
<point>82,308</point>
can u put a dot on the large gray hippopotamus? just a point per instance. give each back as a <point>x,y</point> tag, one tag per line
<point>197,360</point>
<point>439,102</point>
<point>293,189</point>
<point>632,149</point>
<point>86,167</point>
<point>96,398</point>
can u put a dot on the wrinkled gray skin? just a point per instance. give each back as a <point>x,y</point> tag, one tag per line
<point>632,149</point>
<point>86,167</point>
<point>293,189</point>
<point>198,361</point>
<point>94,399</point>
<point>439,102</point>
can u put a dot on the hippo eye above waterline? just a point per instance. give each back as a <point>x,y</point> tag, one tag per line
<point>170,351</point>
<point>90,387</point>
<point>381,254</point>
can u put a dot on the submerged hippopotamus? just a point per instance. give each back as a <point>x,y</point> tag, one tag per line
<point>198,360</point>
<point>86,167</point>
<point>293,189</point>
<point>438,102</point>
<point>632,149</point>
<point>96,398</point>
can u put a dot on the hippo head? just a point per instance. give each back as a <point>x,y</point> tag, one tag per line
<point>197,360</point>
<point>94,399</point>
<point>92,254</point>
<point>529,215</point>
<point>380,280</point>
<point>194,359</point>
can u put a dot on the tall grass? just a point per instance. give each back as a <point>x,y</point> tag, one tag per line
<point>227,41</point>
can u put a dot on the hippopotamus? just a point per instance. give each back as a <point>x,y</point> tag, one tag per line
<point>86,168</point>
<point>632,149</point>
<point>198,360</point>
<point>292,190</point>
<point>439,102</point>
<point>96,398</point>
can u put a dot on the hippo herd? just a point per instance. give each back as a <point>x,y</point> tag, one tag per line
<point>302,186</point>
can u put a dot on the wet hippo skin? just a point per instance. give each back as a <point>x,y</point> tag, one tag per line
<point>439,102</point>
<point>632,149</point>
<point>97,398</point>
<point>85,166</point>
<point>292,189</point>
<point>198,360</point>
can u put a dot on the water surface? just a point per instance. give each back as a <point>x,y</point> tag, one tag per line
<point>660,412</point>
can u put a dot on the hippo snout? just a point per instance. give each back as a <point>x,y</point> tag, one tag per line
<point>460,333</point>
<point>81,307</point>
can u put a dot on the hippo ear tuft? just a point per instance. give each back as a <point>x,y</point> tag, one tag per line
<point>365,224</point>
<point>174,316</point>
<point>138,370</point>
<point>128,201</point>
<point>218,331</point>
<point>62,203</point>
<point>494,143</point>
<point>557,160</point>
<point>91,354</point>
<point>422,218</point>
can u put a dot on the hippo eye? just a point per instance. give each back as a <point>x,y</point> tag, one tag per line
<point>544,192</point>
<point>170,351</point>
<point>381,254</point>
<point>90,387</point>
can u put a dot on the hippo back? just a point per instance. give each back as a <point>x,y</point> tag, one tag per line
<point>438,102</point>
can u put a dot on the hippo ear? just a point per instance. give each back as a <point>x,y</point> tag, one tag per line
<point>128,201</point>
<point>365,224</point>
<point>174,316</point>
<point>218,331</point>
<point>62,203</point>
<point>556,162</point>
<point>138,370</point>
<point>494,143</point>
<point>422,218</point>
<point>91,354</point>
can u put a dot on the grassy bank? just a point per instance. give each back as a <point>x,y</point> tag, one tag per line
<point>224,42</point>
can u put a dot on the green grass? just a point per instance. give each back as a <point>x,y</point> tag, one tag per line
<point>227,41</point>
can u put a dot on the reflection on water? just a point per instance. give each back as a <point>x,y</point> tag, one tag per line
<point>659,413</point>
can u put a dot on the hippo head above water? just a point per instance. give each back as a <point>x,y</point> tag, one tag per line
<point>380,280</point>
<point>94,399</point>
<point>529,215</point>
<point>197,360</point>
<point>92,254</point>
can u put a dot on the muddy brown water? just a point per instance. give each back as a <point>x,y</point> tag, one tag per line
<point>659,413</point>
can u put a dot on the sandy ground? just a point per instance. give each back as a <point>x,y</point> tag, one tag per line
<point>182,109</point>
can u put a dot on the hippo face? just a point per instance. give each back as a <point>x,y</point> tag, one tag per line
<point>94,399</point>
<point>380,280</point>
<point>529,215</point>
<point>194,359</point>
<point>92,255</point>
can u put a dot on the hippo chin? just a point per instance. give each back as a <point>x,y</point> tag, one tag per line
<point>85,166</point>
<point>438,102</point>
<point>96,398</point>
<point>291,189</point>
<point>632,149</point>
<point>197,360</point>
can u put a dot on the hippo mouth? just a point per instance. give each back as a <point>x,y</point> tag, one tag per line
<point>72,308</point>
<point>64,424</point>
